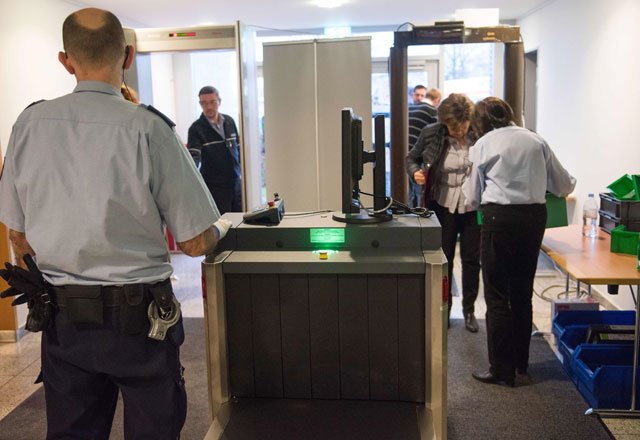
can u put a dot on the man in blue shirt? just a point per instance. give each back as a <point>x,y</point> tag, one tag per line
<point>89,181</point>
<point>512,169</point>
<point>421,114</point>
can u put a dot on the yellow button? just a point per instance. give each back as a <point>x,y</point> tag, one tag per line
<point>324,255</point>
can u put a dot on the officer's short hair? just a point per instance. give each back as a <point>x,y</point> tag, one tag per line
<point>94,47</point>
<point>206,90</point>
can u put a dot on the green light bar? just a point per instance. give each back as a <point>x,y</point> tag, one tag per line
<point>326,235</point>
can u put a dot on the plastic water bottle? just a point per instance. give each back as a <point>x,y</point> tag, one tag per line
<point>590,217</point>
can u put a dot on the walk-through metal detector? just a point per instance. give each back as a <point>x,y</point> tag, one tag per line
<point>238,38</point>
<point>319,329</point>
<point>445,33</point>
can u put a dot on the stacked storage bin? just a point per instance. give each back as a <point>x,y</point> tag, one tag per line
<point>604,373</point>
<point>621,206</point>
<point>601,372</point>
<point>620,214</point>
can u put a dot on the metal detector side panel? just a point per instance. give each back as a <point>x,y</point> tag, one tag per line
<point>436,311</point>
<point>215,322</point>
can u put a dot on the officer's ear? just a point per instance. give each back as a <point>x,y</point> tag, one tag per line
<point>64,60</point>
<point>129,53</point>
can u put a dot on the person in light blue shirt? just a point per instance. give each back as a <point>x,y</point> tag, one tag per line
<point>512,169</point>
<point>89,182</point>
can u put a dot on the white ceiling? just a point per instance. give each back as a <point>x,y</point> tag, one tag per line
<point>298,14</point>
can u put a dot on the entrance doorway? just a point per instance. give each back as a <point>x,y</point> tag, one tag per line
<point>173,64</point>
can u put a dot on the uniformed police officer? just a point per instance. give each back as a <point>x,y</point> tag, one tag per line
<point>215,135</point>
<point>89,180</point>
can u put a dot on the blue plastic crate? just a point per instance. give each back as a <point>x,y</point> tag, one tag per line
<point>603,373</point>
<point>585,317</point>
<point>569,340</point>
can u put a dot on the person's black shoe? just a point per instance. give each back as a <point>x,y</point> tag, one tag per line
<point>488,377</point>
<point>470,322</point>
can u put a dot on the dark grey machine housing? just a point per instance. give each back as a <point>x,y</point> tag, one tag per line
<point>363,318</point>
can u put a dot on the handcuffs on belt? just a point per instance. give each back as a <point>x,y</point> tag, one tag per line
<point>162,319</point>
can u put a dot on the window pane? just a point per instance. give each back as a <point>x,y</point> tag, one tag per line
<point>468,68</point>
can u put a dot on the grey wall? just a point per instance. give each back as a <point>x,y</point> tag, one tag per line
<point>306,84</point>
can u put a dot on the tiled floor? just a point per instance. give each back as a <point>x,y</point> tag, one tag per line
<point>20,362</point>
<point>19,367</point>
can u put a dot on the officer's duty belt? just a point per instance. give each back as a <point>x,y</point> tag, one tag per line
<point>112,296</point>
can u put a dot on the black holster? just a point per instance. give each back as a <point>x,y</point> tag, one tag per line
<point>133,309</point>
<point>40,315</point>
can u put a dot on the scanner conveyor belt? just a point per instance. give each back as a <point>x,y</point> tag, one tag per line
<point>289,419</point>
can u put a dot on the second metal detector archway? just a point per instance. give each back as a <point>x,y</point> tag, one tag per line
<point>445,33</point>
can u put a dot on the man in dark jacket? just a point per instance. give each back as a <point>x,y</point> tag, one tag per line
<point>421,114</point>
<point>216,137</point>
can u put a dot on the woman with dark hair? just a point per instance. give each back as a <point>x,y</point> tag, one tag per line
<point>512,169</point>
<point>442,149</point>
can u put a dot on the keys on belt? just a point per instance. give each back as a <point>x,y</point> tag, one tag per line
<point>162,319</point>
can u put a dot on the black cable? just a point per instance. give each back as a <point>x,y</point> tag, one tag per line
<point>401,208</point>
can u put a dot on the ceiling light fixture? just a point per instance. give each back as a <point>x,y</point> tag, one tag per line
<point>329,3</point>
<point>337,31</point>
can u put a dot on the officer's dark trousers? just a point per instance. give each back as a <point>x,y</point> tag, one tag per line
<point>84,366</point>
<point>511,238</point>
<point>467,226</point>
<point>228,199</point>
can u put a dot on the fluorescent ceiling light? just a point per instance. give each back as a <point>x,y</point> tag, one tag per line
<point>329,3</point>
<point>479,17</point>
<point>337,31</point>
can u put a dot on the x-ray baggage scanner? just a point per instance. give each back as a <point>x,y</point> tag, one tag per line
<point>315,319</point>
<point>329,325</point>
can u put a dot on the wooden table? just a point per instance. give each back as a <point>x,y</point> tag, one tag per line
<point>589,260</point>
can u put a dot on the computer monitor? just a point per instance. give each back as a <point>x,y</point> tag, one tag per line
<point>352,166</point>
<point>353,159</point>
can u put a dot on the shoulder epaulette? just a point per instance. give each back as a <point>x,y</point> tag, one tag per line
<point>154,110</point>
<point>34,103</point>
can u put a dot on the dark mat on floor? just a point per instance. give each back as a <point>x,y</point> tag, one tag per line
<point>550,407</point>
<point>27,421</point>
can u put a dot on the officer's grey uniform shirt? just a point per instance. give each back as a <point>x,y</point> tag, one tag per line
<point>91,179</point>
<point>514,166</point>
